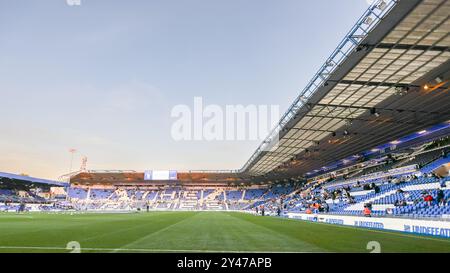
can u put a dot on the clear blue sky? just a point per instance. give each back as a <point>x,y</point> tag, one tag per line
<point>103,77</point>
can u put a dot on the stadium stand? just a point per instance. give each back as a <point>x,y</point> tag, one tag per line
<point>396,190</point>
<point>35,194</point>
<point>392,184</point>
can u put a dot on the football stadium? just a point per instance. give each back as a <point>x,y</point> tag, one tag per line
<point>359,162</point>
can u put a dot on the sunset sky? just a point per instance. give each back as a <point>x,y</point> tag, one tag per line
<point>104,76</point>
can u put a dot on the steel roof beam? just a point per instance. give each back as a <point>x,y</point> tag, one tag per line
<point>380,84</point>
<point>408,47</point>
<point>399,110</point>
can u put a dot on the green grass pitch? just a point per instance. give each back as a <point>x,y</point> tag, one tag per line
<point>196,232</point>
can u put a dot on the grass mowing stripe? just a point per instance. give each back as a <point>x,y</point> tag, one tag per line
<point>222,232</point>
<point>283,236</point>
<point>119,231</point>
<point>26,229</point>
<point>157,231</point>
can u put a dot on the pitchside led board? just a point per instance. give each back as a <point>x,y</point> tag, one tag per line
<point>160,175</point>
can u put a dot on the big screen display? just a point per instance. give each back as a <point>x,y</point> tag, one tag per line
<point>160,175</point>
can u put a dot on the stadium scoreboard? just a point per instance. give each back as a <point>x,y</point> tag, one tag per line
<point>153,175</point>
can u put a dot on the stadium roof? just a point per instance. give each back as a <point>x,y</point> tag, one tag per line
<point>368,92</point>
<point>31,179</point>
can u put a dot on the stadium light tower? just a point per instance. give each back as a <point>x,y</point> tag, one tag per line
<point>72,151</point>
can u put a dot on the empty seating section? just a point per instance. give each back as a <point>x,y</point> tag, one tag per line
<point>435,164</point>
<point>252,194</point>
<point>77,193</point>
<point>6,195</point>
<point>234,195</point>
<point>207,192</point>
<point>100,194</point>
<point>167,198</point>
<point>220,197</point>
<point>378,168</point>
<point>423,158</point>
<point>151,195</point>
<point>139,194</point>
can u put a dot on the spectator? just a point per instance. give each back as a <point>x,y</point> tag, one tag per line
<point>367,212</point>
<point>316,207</point>
<point>377,189</point>
<point>397,203</point>
<point>406,195</point>
<point>440,198</point>
<point>428,199</point>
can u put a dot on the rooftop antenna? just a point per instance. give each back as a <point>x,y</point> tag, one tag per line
<point>72,151</point>
<point>84,160</point>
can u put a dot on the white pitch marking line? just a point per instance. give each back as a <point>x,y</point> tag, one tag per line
<point>142,249</point>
